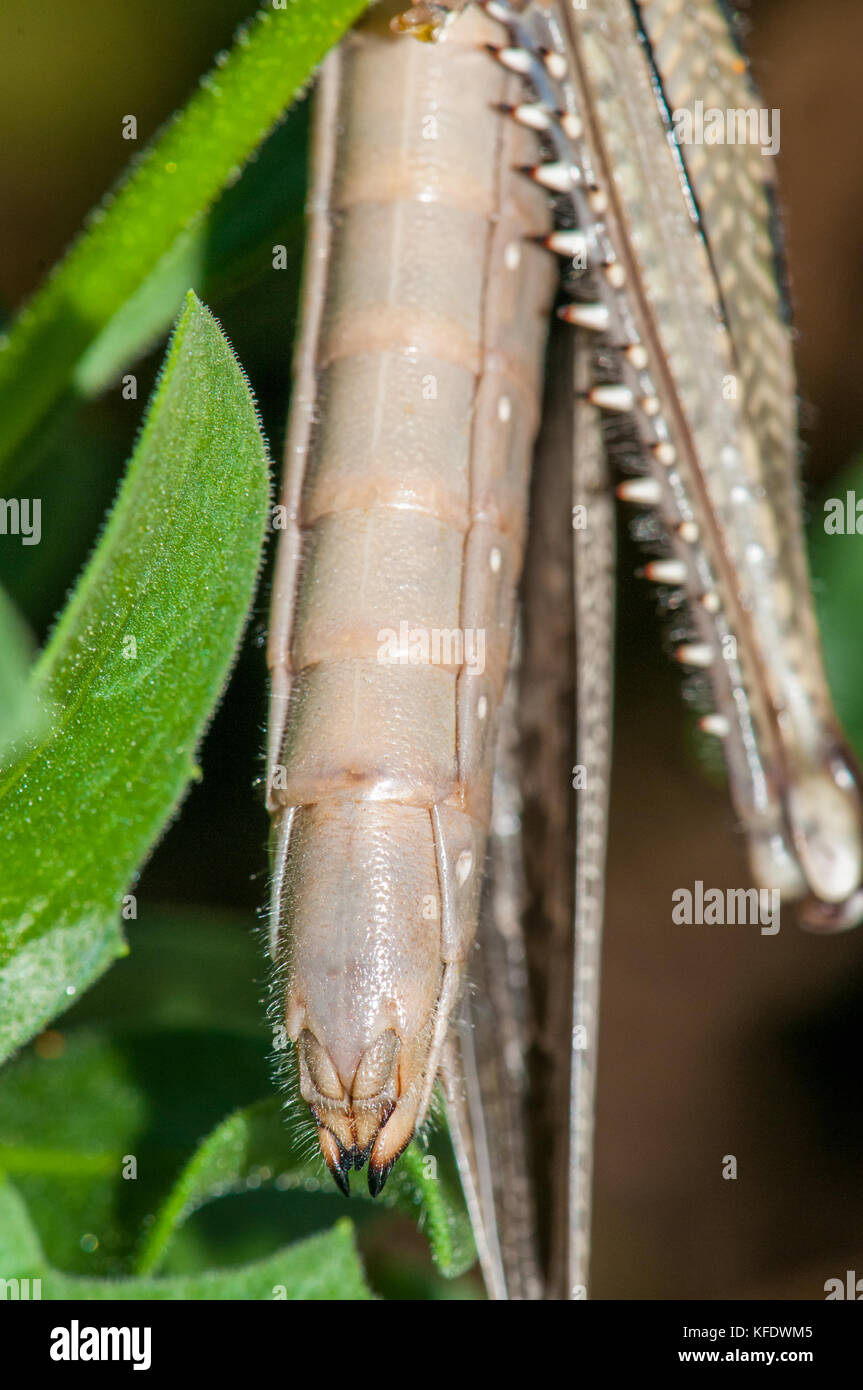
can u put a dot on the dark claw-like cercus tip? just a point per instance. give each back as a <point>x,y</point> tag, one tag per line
<point>378,1175</point>
<point>339,1160</point>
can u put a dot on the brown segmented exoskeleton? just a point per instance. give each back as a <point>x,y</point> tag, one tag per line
<point>449,177</point>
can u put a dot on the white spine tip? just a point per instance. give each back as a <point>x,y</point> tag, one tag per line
<point>695,654</point>
<point>688,532</point>
<point>612,397</point>
<point>636,353</point>
<point>556,177</point>
<point>572,127</point>
<point>645,492</point>
<point>665,453</point>
<point>598,199</point>
<point>666,572</point>
<point>535,117</point>
<point>594,316</point>
<point>615,275</point>
<point>567,243</point>
<point>710,601</point>
<point>555,66</point>
<point>715,724</point>
<point>516,59</point>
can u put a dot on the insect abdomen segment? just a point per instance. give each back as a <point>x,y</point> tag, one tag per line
<point>409,460</point>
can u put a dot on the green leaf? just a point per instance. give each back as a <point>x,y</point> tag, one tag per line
<point>143,318</point>
<point>256,1146</point>
<point>200,151</point>
<point>325,1266</point>
<point>322,1267</point>
<point>222,254</point>
<point>19,716</point>
<point>130,677</point>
